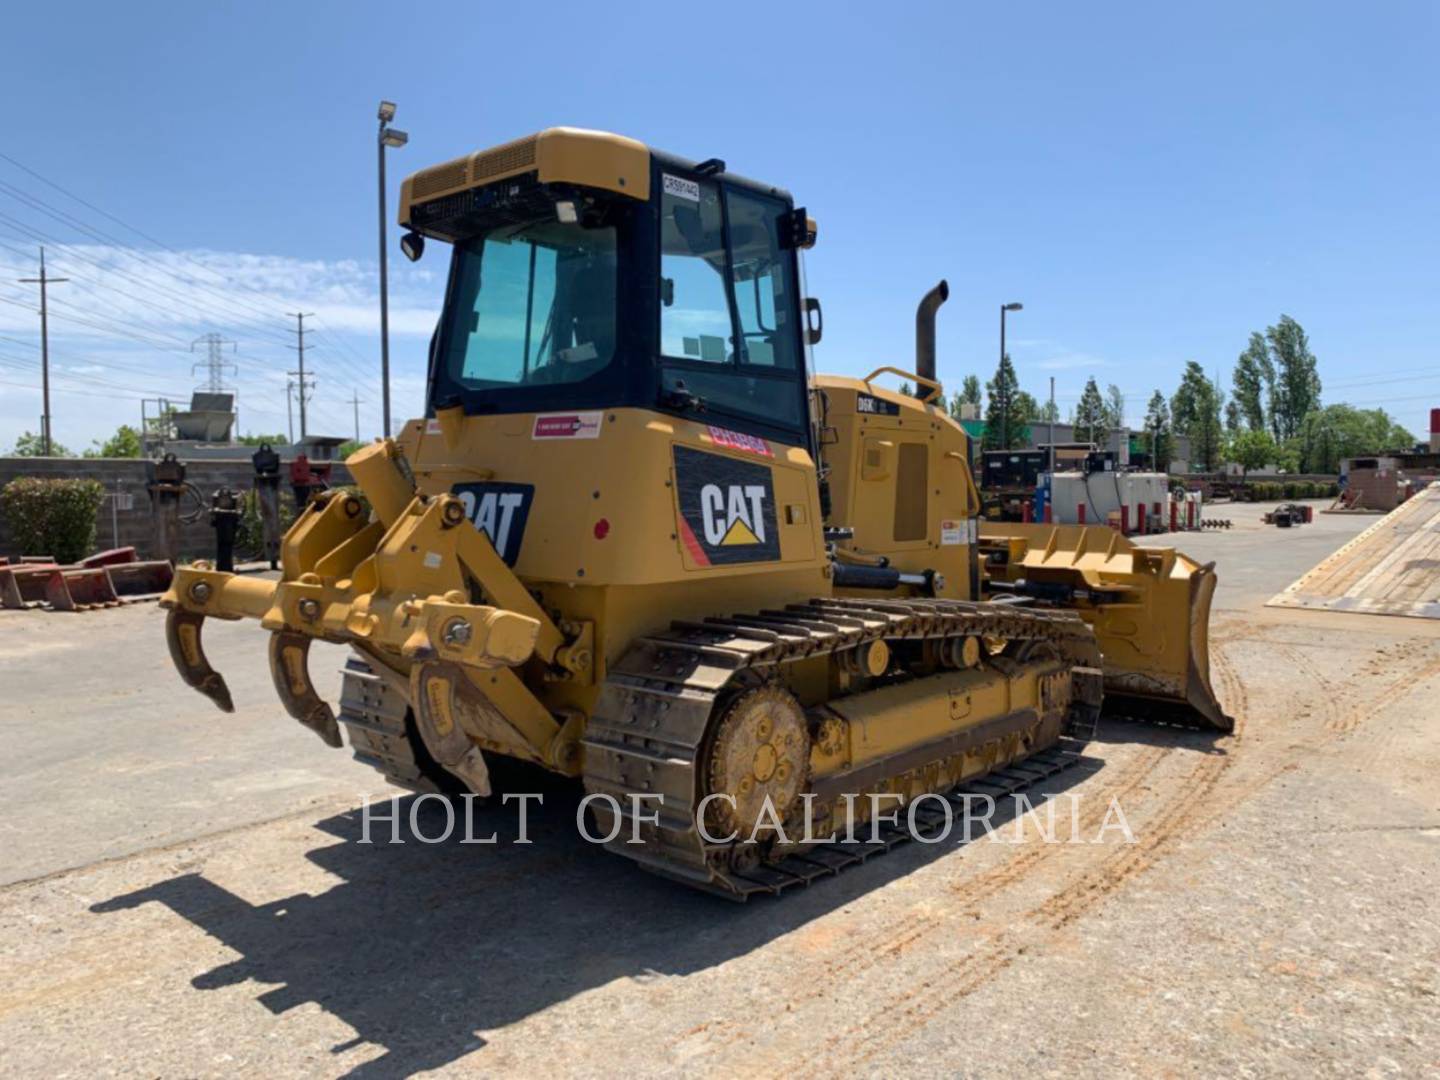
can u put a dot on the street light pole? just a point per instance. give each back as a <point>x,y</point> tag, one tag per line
<point>1005,403</point>
<point>388,136</point>
<point>1052,425</point>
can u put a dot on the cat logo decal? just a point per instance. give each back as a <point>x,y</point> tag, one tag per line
<point>726,511</point>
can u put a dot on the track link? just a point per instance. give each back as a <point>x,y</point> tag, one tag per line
<point>649,733</point>
<point>382,732</point>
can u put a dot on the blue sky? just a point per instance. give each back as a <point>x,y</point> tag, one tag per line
<point>1153,181</point>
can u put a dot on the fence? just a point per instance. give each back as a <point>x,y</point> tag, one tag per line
<point>125,518</point>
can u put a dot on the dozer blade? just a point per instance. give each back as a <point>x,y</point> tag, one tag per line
<point>1149,607</point>
<point>290,668</point>
<point>182,633</point>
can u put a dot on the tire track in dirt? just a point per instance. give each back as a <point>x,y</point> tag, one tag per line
<point>1181,812</point>
<point>1205,794</point>
<point>976,888</point>
<point>1355,716</point>
<point>904,932</point>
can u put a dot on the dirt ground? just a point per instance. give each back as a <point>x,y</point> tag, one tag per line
<point>186,894</point>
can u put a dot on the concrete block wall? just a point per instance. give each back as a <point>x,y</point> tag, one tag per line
<point>135,527</point>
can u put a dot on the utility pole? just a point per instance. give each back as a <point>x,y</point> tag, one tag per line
<point>290,408</point>
<point>301,385</point>
<point>355,401</point>
<point>43,280</point>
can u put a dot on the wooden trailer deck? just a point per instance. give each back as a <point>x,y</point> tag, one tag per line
<point>1392,568</point>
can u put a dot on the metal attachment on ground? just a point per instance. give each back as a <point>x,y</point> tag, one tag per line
<point>225,520</point>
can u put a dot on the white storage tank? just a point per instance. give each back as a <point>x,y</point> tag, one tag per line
<point>1078,498</point>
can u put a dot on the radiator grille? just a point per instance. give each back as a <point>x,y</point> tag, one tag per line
<point>513,156</point>
<point>441,178</point>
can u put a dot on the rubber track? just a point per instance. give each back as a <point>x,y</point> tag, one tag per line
<point>650,725</point>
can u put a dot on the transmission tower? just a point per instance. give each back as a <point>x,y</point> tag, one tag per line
<point>215,365</point>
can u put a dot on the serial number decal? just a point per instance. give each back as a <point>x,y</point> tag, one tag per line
<point>575,425</point>
<point>680,188</point>
<point>735,440</point>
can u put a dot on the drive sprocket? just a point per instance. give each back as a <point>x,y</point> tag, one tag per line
<point>760,751</point>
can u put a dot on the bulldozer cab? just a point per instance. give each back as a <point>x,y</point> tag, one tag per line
<point>607,275</point>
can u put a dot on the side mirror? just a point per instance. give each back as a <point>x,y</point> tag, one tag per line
<point>814,321</point>
<point>413,245</point>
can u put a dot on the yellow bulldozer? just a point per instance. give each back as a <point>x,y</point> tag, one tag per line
<point>635,540</point>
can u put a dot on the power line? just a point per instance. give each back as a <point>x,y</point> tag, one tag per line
<point>220,317</point>
<point>143,235</point>
<point>79,226</point>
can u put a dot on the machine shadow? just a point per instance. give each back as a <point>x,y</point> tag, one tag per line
<point>1123,731</point>
<point>422,946</point>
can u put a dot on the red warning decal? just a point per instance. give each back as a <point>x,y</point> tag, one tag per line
<point>734,440</point>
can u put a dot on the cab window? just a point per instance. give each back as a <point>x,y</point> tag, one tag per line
<point>727,301</point>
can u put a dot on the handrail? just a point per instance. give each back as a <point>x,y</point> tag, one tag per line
<point>935,388</point>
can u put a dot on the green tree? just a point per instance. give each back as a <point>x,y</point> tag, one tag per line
<point>1048,413</point>
<point>1332,433</point>
<point>1157,430</point>
<point>1251,449</point>
<point>125,443</point>
<point>1005,415</point>
<point>1234,420</point>
<point>29,445</point>
<point>1195,412</point>
<point>968,394</point>
<point>970,390</point>
<point>1297,382</point>
<point>256,440</point>
<point>1253,381</point>
<point>1092,418</point>
<point>1114,408</point>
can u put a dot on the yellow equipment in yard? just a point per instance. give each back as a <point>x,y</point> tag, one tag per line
<point>636,542</point>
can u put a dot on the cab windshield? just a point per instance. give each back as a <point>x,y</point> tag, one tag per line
<point>532,304</point>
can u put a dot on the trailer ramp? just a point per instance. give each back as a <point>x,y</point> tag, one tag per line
<point>1392,568</point>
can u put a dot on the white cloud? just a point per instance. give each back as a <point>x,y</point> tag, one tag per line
<point>124,327</point>
<point>1070,361</point>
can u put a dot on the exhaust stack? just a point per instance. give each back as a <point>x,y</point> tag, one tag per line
<point>925,332</point>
